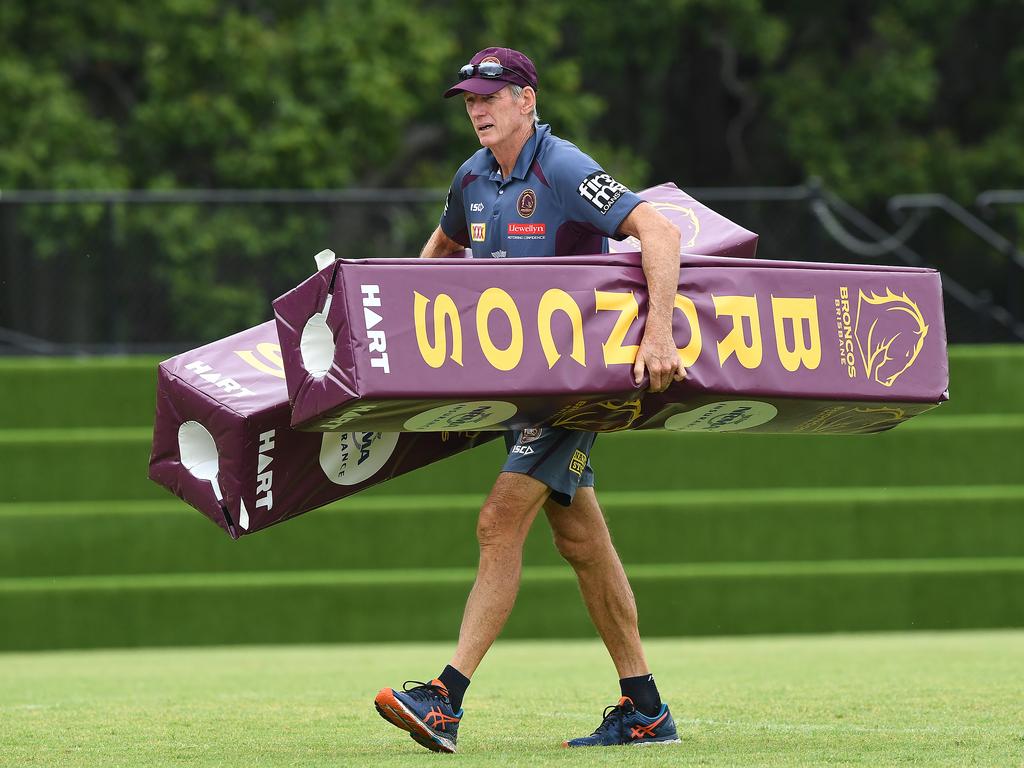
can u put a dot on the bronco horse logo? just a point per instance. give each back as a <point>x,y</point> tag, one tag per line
<point>890,332</point>
<point>684,218</point>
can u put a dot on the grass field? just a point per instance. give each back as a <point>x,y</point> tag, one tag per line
<point>936,699</point>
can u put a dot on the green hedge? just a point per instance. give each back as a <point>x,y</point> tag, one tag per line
<point>120,391</point>
<point>980,450</point>
<point>77,392</point>
<point>427,605</point>
<point>66,465</point>
<point>87,538</point>
<point>986,379</point>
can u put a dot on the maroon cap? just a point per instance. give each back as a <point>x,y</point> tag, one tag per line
<point>519,70</point>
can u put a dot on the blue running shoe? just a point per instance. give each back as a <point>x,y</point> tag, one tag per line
<point>623,724</point>
<point>422,709</point>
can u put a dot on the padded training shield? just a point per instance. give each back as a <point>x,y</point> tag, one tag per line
<point>481,344</point>
<point>222,442</point>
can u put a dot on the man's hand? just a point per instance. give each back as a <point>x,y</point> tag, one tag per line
<point>659,245</point>
<point>658,355</point>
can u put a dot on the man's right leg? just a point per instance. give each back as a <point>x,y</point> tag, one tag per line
<point>427,711</point>
<point>501,529</point>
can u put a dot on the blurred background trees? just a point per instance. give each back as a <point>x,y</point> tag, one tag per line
<point>875,98</point>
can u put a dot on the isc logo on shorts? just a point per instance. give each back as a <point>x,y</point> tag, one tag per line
<point>578,463</point>
<point>478,231</point>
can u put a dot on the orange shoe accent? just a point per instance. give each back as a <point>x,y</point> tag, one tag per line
<point>436,719</point>
<point>645,731</point>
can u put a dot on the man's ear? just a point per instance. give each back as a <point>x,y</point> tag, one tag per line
<point>529,99</point>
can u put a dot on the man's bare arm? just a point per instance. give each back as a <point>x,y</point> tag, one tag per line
<point>659,244</point>
<point>440,245</point>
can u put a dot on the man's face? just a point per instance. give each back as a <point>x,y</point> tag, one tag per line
<point>495,117</point>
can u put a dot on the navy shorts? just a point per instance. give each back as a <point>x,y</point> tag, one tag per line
<point>559,458</point>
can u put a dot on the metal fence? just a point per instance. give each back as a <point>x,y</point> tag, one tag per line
<point>162,271</point>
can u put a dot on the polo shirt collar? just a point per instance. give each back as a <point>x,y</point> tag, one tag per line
<point>526,155</point>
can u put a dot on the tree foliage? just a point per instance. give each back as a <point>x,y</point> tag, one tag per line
<point>875,98</point>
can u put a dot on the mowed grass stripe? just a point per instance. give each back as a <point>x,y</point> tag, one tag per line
<point>401,503</point>
<point>535,574</point>
<point>86,435</point>
<point>66,539</point>
<point>672,601</point>
<point>651,460</point>
<point>120,391</point>
<point>76,436</point>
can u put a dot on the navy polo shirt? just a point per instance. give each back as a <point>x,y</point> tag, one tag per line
<point>558,202</point>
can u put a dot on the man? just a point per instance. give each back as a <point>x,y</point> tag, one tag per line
<point>529,193</point>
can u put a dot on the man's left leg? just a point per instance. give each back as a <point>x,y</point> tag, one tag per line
<point>431,711</point>
<point>582,538</point>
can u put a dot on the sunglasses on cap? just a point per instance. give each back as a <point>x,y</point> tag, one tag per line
<point>491,70</point>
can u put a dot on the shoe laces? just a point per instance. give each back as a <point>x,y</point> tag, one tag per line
<point>613,714</point>
<point>421,691</point>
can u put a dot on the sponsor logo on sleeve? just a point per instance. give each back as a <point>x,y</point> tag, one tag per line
<point>523,450</point>
<point>527,231</point>
<point>578,463</point>
<point>601,191</point>
<point>478,231</point>
<point>527,203</point>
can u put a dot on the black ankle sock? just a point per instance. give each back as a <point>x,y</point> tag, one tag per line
<point>643,692</point>
<point>456,683</point>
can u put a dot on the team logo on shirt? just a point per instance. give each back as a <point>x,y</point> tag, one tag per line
<point>478,231</point>
<point>601,191</point>
<point>530,434</point>
<point>527,203</point>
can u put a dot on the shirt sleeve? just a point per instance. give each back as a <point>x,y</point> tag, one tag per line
<point>453,217</point>
<point>590,196</point>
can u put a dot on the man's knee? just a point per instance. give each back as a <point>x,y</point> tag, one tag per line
<point>578,551</point>
<point>506,515</point>
<point>581,544</point>
<point>493,526</point>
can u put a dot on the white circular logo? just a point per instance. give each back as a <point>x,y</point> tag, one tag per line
<point>349,458</point>
<point>462,416</point>
<point>727,416</point>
